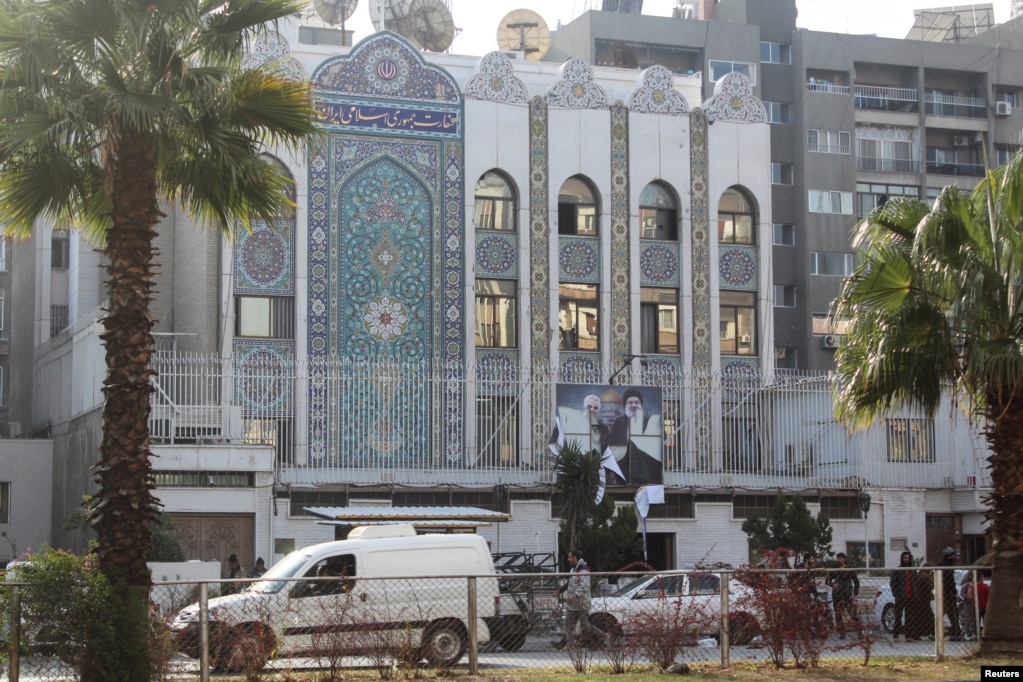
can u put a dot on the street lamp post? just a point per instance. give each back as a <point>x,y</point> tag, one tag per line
<point>864,500</point>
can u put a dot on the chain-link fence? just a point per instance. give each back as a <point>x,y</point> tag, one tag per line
<point>622,622</point>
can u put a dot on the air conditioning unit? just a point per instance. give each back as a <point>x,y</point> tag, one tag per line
<point>960,140</point>
<point>745,339</point>
<point>1003,109</point>
<point>831,341</point>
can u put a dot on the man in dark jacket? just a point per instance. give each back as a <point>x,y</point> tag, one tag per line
<point>902,585</point>
<point>845,586</point>
<point>950,593</point>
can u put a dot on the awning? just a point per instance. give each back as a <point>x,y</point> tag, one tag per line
<point>420,517</point>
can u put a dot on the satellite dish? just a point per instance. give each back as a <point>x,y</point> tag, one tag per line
<point>523,30</point>
<point>388,14</point>
<point>335,11</point>
<point>429,23</point>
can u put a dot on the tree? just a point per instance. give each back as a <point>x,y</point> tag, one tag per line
<point>935,303</point>
<point>108,107</point>
<point>577,479</point>
<point>789,525</point>
<point>611,540</point>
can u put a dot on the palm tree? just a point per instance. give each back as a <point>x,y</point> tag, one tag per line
<point>936,303</point>
<point>107,108</point>
<point>578,477</point>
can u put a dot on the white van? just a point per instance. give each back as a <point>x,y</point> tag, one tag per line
<point>384,589</point>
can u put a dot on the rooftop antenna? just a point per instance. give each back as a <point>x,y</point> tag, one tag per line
<point>335,12</point>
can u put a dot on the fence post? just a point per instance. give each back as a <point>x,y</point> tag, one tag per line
<point>204,632</point>
<point>938,578</point>
<point>724,639</point>
<point>473,634</point>
<point>14,641</point>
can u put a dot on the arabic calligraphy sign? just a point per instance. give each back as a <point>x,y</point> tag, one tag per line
<point>335,115</point>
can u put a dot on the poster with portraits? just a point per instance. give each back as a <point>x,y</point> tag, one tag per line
<point>625,421</point>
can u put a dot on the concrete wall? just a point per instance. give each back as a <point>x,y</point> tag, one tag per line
<point>27,465</point>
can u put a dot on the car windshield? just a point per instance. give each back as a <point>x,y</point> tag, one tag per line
<point>288,567</point>
<point>655,582</point>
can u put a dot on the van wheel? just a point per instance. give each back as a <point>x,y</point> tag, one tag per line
<point>510,632</point>
<point>241,651</point>
<point>444,643</point>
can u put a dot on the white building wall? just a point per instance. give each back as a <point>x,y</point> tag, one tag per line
<point>28,466</point>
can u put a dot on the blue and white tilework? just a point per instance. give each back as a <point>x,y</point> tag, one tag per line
<point>656,94</point>
<point>495,81</point>
<point>576,88</point>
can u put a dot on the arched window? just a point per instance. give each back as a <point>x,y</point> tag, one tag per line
<point>736,218</point>
<point>495,203</point>
<point>658,213</point>
<point>577,208</point>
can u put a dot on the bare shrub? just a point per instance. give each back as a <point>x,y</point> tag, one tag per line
<point>668,626</point>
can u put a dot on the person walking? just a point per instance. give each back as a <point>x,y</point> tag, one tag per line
<point>234,570</point>
<point>577,598</point>
<point>845,587</point>
<point>902,586</point>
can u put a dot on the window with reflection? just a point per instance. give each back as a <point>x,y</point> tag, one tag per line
<point>736,218</point>
<point>495,313</point>
<point>658,318</point>
<point>658,214</point>
<point>495,203</point>
<point>577,208</point>
<point>738,323</point>
<point>577,317</point>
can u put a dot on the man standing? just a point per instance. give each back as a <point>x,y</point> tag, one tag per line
<point>577,599</point>
<point>845,586</point>
<point>234,570</point>
<point>902,586</point>
<point>950,594</point>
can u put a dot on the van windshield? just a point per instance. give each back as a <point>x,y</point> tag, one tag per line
<point>288,567</point>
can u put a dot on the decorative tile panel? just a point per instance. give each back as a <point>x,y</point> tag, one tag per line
<point>264,259</point>
<point>497,371</point>
<point>737,267</point>
<point>387,66</point>
<point>497,255</point>
<point>386,255</point>
<point>271,52</point>
<point>656,94</point>
<point>539,269</point>
<point>580,368</point>
<point>263,370</point>
<point>739,375</point>
<point>700,280</point>
<point>659,264</point>
<point>621,244</point>
<point>578,259</point>
<point>495,81</point>
<point>576,88</point>
<point>733,100</point>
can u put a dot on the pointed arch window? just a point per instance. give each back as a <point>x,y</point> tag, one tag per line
<point>495,203</point>
<point>577,208</point>
<point>658,213</point>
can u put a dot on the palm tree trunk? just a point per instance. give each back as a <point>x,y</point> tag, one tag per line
<point>1003,627</point>
<point>125,504</point>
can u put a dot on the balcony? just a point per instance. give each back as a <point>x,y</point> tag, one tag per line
<point>829,148</point>
<point>876,98</point>
<point>870,163</point>
<point>952,105</point>
<point>970,170</point>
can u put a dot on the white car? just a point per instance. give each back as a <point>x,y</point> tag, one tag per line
<point>884,603</point>
<point>693,598</point>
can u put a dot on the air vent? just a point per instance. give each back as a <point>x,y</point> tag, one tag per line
<point>831,341</point>
<point>960,140</point>
<point>1003,109</point>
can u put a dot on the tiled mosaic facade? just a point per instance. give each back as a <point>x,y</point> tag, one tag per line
<point>733,100</point>
<point>495,81</point>
<point>386,247</point>
<point>576,88</point>
<point>656,94</point>
<point>737,267</point>
<point>621,310</point>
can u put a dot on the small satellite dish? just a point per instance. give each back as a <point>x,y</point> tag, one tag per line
<point>429,23</point>
<point>335,11</point>
<point>523,30</point>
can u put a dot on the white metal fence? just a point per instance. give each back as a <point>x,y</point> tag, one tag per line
<point>415,422</point>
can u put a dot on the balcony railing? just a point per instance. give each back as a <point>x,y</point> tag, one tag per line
<point>870,163</point>
<point>829,148</point>
<point>381,422</point>
<point>873,97</point>
<point>955,106</point>
<point>824,86</point>
<point>972,170</point>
